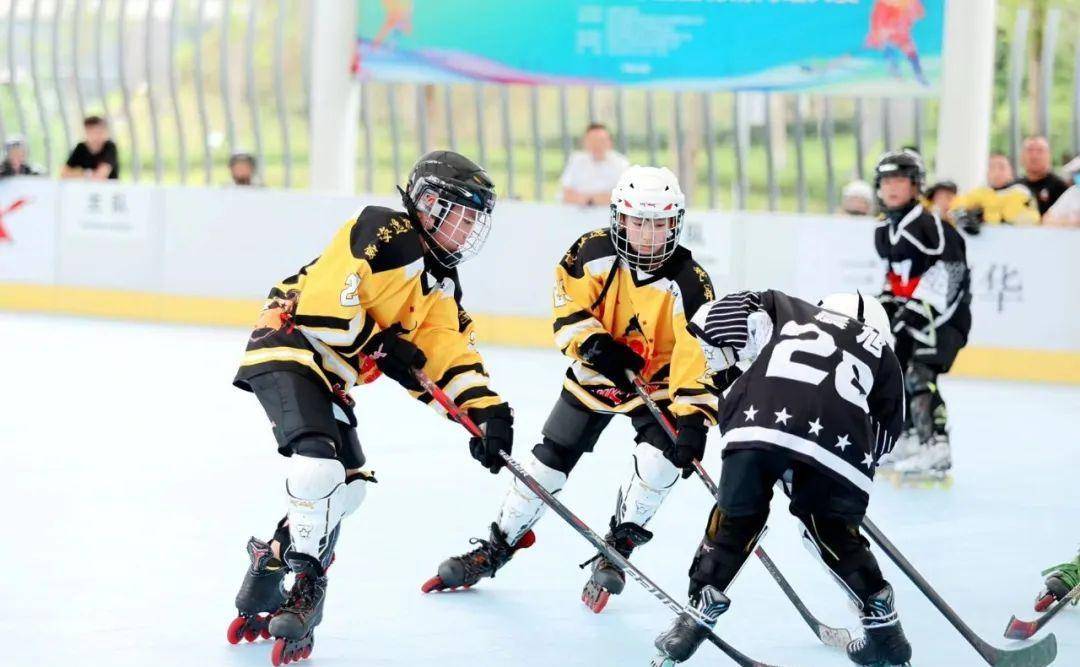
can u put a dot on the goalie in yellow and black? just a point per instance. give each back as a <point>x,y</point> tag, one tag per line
<point>623,295</point>
<point>383,297</point>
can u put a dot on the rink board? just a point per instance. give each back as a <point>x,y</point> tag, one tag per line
<point>208,255</point>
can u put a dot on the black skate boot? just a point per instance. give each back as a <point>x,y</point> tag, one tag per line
<point>685,635</point>
<point>883,642</point>
<point>1060,581</point>
<point>261,593</point>
<point>607,578</point>
<point>484,561</point>
<point>295,622</point>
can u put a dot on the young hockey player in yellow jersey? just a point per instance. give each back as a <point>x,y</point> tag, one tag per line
<point>621,303</point>
<point>383,297</point>
<point>1002,201</point>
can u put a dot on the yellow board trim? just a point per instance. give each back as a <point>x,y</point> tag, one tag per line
<point>979,362</point>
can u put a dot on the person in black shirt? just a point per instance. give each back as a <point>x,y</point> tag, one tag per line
<point>1038,173</point>
<point>927,294</point>
<point>820,401</point>
<point>14,163</point>
<point>96,157</point>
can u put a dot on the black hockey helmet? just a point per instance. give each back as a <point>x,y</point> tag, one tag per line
<point>904,162</point>
<point>440,183</point>
<point>947,186</point>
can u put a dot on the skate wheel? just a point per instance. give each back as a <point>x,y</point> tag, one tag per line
<point>265,634</point>
<point>307,653</point>
<point>433,584</point>
<point>277,655</point>
<point>596,604</point>
<point>236,630</point>
<point>251,634</point>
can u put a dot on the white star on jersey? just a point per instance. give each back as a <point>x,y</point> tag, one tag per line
<point>750,413</point>
<point>782,416</point>
<point>842,442</point>
<point>815,427</point>
<point>868,461</point>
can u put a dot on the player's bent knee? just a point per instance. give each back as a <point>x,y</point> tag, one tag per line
<point>355,491</point>
<point>314,478</point>
<point>555,457</point>
<point>652,468</point>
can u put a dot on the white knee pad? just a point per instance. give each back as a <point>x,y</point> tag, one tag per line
<point>650,483</point>
<point>522,508</point>
<point>318,498</point>
<point>355,492</point>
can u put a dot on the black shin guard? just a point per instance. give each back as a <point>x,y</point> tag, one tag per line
<point>727,544</point>
<point>927,408</point>
<point>847,553</point>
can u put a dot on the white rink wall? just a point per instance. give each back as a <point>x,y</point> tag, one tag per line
<point>223,247</point>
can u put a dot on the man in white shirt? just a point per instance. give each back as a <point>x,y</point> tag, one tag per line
<point>592,173</point>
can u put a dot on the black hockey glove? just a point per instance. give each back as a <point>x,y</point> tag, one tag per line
<point>497,423</point>
<point>396,357</point>
<point>913,316</point>
<point>611,359</point>
<point>689,446</point>
<point>969,221</point>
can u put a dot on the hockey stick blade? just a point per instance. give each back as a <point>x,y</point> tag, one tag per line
<point>830,636</point>
<point>1018,629</point>
<point>1039,654</point>
<point>458,415</point>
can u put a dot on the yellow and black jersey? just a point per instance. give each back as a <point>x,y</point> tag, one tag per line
<point>373,275</point>
<point>1010,205</point>
<point>596,292</point>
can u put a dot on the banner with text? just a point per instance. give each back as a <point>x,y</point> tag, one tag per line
<point>887,47</point>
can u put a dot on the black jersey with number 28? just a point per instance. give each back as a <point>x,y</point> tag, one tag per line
<point>821,386</point>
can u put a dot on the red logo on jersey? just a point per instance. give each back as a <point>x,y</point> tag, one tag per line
<point>15,206</point>
<point>901,288</point>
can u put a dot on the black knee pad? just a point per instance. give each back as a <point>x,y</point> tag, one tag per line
<point>727,544</point>
<point>556,456</point>
<point>847,553</point>
<point>315,446</point>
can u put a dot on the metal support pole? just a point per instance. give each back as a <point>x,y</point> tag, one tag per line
<point>770,163</point>
<point>710,145</point>
<point>1017,67</point>
<point>826,141</point>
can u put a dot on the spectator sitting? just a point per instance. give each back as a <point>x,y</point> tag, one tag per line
<point>1002,200</point>
<point>591,174</point>
<point>1039,178</point>
<point>940,196</point>
<point>14,163</point>
<point>1066,210</point>
<point>242,169</point>
<point>857,198</point>
<point>94,158</point>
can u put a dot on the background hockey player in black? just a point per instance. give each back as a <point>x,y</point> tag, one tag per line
<point>927,296</point>
<point>823,397</point>
<point>383,296</point>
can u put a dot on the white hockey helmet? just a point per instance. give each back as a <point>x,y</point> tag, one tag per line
<point>647,209</point>
<point>861,309</point>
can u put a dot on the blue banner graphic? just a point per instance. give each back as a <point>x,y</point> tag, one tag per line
<point>887,47</point>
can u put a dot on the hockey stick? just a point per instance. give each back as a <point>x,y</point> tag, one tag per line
<point>830,636</point>
<point>1018,629</point>
<point>1039,654</point>
<point>458,415</point>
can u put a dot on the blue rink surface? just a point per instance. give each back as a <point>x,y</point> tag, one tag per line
<point>133,473</point>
